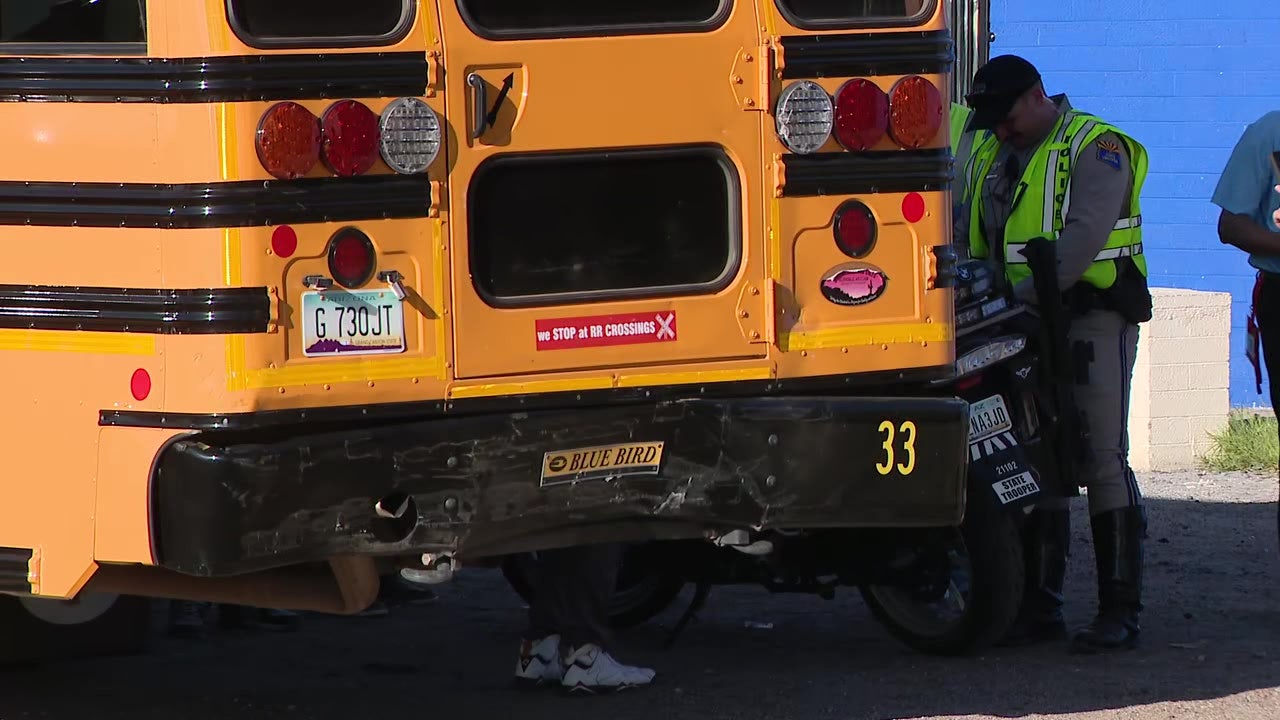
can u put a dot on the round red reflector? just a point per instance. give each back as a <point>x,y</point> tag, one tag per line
<point>288,140</point>
<point>913,207</point>
<point>916,112</point>
<point>351,138</point>
<point>855,229</point>
<point>140,384</point>
<point>284,241</point>
<point>862,114</point>
<point>351,258</point>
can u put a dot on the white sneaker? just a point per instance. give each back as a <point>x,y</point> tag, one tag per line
<point>590,669</point>
<point>539,661</point>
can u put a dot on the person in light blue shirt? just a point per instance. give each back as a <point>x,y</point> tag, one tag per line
<point>1249,196</point>
<point>1245,194</point>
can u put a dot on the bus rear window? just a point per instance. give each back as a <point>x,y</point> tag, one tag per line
<point>330,23</point>
<point>595,225</point>
<point>522,18</point>
<point>827,13</point>
<point>73,22</point>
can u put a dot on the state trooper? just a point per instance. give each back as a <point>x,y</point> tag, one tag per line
<point>964,140</point>
<point>1049,170</point>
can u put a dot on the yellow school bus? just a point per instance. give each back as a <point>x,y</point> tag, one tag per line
<point>292,285</point>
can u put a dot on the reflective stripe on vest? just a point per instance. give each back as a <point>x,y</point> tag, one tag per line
<point>1046,216</point>
<point>1013,253</point>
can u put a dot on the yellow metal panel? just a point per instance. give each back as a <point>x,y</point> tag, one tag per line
<point>78,341</point>
<point>886,334</point>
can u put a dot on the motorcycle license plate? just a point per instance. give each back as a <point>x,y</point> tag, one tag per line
<point>988,417</point>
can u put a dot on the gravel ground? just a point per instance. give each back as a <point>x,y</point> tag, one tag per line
<point>1210,650</point>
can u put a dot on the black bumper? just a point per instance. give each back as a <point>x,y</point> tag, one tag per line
<point>492,484</point>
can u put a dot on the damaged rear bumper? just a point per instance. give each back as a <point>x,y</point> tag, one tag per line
<point>493,484</point>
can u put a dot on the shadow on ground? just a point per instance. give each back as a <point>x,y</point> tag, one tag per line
<point>1211,631</point>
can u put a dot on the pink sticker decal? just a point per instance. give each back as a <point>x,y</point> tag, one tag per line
<point>854,286</point>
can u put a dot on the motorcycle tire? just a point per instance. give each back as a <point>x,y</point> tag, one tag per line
<point>991,537</point>
<point>645,588</point>
<point>94,625</point>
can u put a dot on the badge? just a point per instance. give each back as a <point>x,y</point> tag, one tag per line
<point>1109,153</point>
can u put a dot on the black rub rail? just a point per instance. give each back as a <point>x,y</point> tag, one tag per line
<point>239,78</point>
<point>14,573</point>
<point>884,382</point>
<point>136,310</point>
<point>881,171</point>
<point>867,54</point>
<point>214,204</point>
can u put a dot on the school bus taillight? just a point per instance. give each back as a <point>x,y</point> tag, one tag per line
<point>862,114</point>
<point>916,112</point>
<point>803,119</point>
<point>288,140</point>
<point>854,228</point>
<point>352,259</point>
<point>351,138</point>
<point>411,135</point>
<point>859,115</point>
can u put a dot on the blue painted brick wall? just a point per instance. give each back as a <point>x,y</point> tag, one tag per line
<point>1185,77</point>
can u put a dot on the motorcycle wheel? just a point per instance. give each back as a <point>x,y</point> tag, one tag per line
<point>644,588</point>
<point>984,588</point>
<point>92,625</point>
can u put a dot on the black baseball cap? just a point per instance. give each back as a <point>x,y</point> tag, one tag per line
<point>997,86</point>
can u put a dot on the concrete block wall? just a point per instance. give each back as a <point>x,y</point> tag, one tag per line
<point>1185,77</point>
<point>1181,379</point>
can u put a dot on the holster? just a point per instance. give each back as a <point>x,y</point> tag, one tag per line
<point>1128,295</point>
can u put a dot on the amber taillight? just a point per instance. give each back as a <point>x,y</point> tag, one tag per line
<point>288,140</point>
<point>916,112</point>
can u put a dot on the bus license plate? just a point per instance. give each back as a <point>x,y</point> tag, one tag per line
<point>352,322</point>
<point>988,417</point>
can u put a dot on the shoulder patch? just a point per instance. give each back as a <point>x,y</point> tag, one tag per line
<point>1109,152</point>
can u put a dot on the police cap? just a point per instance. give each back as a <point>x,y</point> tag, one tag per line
<point>997,86</point>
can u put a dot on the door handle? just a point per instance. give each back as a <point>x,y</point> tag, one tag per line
<point>479,105</point>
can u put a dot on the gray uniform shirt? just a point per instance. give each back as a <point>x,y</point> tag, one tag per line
<point>1101,180</point>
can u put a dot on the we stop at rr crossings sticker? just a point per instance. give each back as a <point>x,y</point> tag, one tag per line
<point>605,330</point>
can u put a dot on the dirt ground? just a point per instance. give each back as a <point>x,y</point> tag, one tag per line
<point>1211,650</point>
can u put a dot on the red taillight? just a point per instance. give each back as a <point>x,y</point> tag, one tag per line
<point>862,114</point>
<point>855,229</point>
<point>915,114</point>
<point>288,140</point>
<point>351,138</point>
<point>351,258</point>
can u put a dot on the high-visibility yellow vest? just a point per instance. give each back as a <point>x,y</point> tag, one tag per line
<point>1043,197</point>
<point>963,145</point>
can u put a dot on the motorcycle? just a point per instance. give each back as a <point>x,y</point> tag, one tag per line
<point>944,591</point>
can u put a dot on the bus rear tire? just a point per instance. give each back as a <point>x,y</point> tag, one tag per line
<point>92,625</point>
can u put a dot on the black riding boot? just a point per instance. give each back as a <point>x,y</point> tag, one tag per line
<point>1046,541</point>
<point>1117,549</point>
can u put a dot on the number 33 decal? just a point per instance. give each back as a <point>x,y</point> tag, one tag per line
<point>908,431</point>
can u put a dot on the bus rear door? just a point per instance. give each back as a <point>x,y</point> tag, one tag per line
<point>605,190</point>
